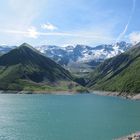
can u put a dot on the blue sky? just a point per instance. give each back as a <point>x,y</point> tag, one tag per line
<point>68,22</point>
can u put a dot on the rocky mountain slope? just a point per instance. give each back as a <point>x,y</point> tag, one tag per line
<point>120,73</point>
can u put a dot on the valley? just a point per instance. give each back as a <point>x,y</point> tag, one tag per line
<point>26,68</point>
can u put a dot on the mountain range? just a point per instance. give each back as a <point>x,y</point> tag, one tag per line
<point>78,59</point>
<point>83,53</point>
<point>5,48</point>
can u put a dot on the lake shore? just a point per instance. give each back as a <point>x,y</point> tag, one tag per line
<point>40,92</point>
<point>109,93</point>
<point>96,92</point>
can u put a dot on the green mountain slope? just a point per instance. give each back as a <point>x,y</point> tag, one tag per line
<point>24,68</point>
<point>120,73</point>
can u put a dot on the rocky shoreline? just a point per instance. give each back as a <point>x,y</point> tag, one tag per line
<point>134,136</point>
<point>123,95</point>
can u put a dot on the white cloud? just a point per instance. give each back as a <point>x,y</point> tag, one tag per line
<point>49,26</point>
<point>20,29</point>
<point>134,37</point>
<point>88,36</point>
<point>20,20</point>
<point>32,32</point>
<point>122,34</point>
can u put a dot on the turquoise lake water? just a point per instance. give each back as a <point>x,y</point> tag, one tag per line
<point>67,117</point>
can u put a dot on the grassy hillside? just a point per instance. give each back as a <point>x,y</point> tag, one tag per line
<point>120,73</point>
<point>24,68</point>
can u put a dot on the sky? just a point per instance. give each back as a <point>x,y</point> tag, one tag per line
<point>69,22</point>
